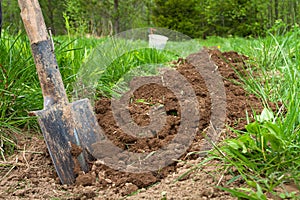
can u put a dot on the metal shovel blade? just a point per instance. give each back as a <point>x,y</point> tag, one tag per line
<point>69,132</point>
<point>69,129</point>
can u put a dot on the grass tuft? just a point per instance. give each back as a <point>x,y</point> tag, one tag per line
<point>266,155</point>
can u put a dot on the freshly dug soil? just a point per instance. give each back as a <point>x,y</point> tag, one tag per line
<point>30,174</point>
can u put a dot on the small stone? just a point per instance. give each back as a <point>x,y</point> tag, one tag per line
<point>85,180</point>
<point>99,163</point>
<point>108,180</point>
<point>129,188</point>
<point>209,192</point>
<point>209,181</point>
<point>180,164</point>
<point>94,168</point>
<point>64,187</point>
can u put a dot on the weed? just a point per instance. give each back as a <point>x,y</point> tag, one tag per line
<point>266,155</point>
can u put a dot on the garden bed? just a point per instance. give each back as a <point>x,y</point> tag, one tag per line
<point>30,173</point>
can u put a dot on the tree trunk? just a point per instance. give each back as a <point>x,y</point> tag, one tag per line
<point>293,10</point>
<point>296,11</point>
<point>0,17</point>
<point>116,17</point>
<point>270,10</point>
<point>51,16</point>
<point>276,9</point>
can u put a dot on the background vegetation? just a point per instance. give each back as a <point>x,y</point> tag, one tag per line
<point>196,18</point>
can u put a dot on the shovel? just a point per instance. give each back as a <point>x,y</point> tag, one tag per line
<point>69,129</point>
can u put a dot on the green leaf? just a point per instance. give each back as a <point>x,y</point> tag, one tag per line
<point>253,127</point>
<point>248,142</point>
<point>282,195</point>
<point>236,193</point>
<point>266,115</point>
<point>233,179</point>
<point>260,193</point>
<point>273,128</point>
<point>276,142</point>
<point>233,144</point>
<point>251,183</point>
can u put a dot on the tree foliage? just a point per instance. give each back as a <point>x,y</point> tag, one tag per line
<point>196,18</point>
<point>236,17</point>
<point>178,15</point>
<point>0,17</point>
<point>226,17</point>
<point>53,14</point>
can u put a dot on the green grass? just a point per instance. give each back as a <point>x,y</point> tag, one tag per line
<point>114,62</point>
<point>131,64</point>
<point>70,53</point>
<point>18,89</point>
<point>266,156</point>
<point>227,44</point>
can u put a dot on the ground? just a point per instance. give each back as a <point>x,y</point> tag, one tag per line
<point>29,173</point>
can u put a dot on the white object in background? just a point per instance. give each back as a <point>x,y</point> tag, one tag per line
<point>157,41</point>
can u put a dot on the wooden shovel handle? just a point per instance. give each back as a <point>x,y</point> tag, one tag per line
<point>46,65</point>
<point>33,20</point>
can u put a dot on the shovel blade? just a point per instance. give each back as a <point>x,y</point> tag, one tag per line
<point>64,126</point>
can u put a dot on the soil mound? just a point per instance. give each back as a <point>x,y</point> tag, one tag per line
<point>32,175</point>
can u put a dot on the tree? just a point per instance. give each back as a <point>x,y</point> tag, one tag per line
<point>0,17</point>
<point>179,15</point>
<point>117,16</point>
<point>53,15</point>
<point>196,18</point>
<point>128,14</point>
<point>11,16</point>
<point>106,17</point>
<point>237,17</point>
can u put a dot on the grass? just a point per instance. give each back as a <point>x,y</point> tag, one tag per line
<point>70,53</point>
<point>18,92</point>
<point>117,75</point>
<point>266,155</point>
<point>115,61</point>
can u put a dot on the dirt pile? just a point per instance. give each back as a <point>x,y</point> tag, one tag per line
<point>32,175</point>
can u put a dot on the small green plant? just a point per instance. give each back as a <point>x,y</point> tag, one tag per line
<point>266,155</point>
<point>164,195</point>
<point>246,193</point>
<point>144,101</point>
